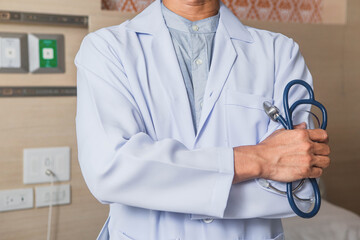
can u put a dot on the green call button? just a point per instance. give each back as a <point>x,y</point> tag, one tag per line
<point>48,53</point>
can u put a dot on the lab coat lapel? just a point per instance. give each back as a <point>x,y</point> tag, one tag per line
<point>224,56</point>
<point>151,22</point>
<point>171,78</point>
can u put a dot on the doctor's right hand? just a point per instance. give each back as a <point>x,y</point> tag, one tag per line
<point>285,156</point>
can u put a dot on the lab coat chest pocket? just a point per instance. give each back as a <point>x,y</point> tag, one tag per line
<point>245,118</point>
<point>123,236</point>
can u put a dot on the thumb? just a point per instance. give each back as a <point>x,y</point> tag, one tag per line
<point>301,126</point>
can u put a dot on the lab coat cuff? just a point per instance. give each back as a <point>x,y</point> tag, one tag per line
<point>226,161</point>
<point>222,186</point>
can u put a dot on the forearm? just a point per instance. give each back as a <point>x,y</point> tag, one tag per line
<point>246,164</point>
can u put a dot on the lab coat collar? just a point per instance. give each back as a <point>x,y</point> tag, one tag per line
<point>233,26</point>
<point>151,21</point>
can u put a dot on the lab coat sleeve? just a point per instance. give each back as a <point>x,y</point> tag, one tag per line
<point>251,199</point>
<point>121,163</point>
<point>289,65</point>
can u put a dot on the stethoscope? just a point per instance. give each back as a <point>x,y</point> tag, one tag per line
<point>273,112</point>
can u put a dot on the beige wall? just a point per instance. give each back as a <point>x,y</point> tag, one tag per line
<point>331,51</point>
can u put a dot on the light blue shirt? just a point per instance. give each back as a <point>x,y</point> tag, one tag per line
<point>193,43</point>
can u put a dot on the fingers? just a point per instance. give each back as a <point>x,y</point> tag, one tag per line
<point>315,172</point>
<point>318,144</point>
<point>318,135</point>
<point>321,161</point>
<point>301,126</point>
<point>320,149</point>
<point>315,167</point>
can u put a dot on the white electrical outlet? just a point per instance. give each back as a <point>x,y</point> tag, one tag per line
<point>58,194</point>
<point>15,199</point>
<point>38,160</point>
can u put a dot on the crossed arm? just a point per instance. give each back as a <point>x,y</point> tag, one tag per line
<point>111,130</point>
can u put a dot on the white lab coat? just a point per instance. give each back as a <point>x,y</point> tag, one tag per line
<point>137,146</point>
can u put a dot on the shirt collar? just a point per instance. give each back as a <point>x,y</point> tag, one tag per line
<point>177,22</point>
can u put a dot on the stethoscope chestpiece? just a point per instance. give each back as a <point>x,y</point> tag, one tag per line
<point>271,110</point>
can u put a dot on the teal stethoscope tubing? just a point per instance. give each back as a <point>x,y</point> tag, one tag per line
<point>288,124</point>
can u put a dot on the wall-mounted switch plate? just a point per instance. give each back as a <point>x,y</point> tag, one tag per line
<point>58,194</point>
<point>38,160</point>
<point>13,53</point>
<point>10,52</point>
<point>15,199</point>
<point>46,53</point>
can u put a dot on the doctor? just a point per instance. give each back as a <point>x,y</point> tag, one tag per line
<point>171,131</point>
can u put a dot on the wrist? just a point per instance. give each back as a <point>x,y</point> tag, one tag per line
<point>246,163</point>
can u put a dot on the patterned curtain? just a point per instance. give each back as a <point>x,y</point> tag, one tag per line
<point>299,11</point>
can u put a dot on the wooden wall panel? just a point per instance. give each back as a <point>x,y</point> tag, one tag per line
<point>48,122</point>
<point>346,177</point>
<point>331,51</point>
<point>39,122</point>
<point>76,7</point>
